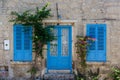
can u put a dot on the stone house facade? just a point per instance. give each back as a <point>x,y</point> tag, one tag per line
<point>79,15</point>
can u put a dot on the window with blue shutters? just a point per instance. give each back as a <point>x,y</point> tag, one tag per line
<point>22,43</point>
<point>97,49</point>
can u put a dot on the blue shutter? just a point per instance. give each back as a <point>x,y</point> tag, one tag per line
<point>97,49</point>
<point>27,41</point>
<point>22,43</point>
<point>18,53</point>
<point>91,32</point>
<point>101,42</point>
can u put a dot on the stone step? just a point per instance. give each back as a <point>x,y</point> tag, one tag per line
<point>59,71</point>
<point>52,76</point>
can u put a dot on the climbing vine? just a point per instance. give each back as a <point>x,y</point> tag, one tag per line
<point>41,34</point>
<point>82,44</point>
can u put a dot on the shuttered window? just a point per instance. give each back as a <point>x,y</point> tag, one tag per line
<point>97,49</point>
<point>22,43</point>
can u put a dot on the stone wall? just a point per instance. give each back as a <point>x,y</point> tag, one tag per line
<point>84,11</point>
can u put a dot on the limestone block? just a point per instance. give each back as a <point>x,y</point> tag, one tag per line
<point>1,35</point>
<point>113,10</point>
<point>11,4</point>
<point>1,46</point>
<point>1,40</point>
<point>0,3</point>
<point>1,57</point>
<point>6,33</point>
<point>20,70</point>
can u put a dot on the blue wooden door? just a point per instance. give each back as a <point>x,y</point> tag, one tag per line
<point>97,49</point>
<point>22,43</point>
<point>59,55</point>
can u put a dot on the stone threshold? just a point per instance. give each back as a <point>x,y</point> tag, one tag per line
<point>58,71</point>
<point>62,76</point>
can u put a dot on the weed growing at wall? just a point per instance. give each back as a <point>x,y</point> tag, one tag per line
<point>90,75</point>
<point>115,74</point>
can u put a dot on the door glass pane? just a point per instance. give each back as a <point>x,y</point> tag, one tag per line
<point>54,44</point>
<point>65,40</point>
